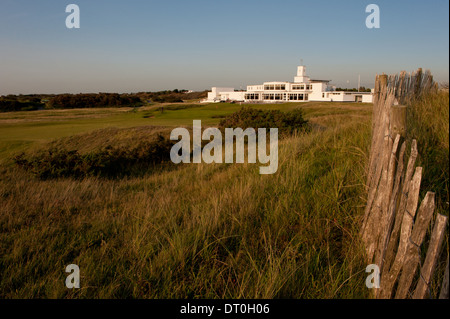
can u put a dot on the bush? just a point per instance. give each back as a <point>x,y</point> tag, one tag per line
<point>286,122</point>
<point>108,162</point>
<point>14,105</point>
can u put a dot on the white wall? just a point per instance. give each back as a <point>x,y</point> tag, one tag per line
<point>252,88</point>
<point>318,89</point>
<point>236,96</point>
<point>215,93</point>
<point>367,98</point>
<point>348,96</point>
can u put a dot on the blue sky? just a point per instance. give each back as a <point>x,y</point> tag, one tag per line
<point>132,46</point>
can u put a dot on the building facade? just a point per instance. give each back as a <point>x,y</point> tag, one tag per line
<point>303,89</point>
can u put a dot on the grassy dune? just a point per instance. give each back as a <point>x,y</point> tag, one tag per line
<point>198,231</point>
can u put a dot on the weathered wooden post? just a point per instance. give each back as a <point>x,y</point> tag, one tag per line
<point>398,120</point>
<point>393,229</point>
<point>412,256</point>
<point>432,256</point>
<point>376,152</point>
<point>379,98</point>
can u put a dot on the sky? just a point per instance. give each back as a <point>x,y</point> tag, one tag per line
<point>134,46</point>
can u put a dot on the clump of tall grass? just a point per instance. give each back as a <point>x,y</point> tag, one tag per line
<point>109,161</point>
<point>428,123</point>
<point>199,231</point>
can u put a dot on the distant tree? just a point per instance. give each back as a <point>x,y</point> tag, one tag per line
<point>94,100</point>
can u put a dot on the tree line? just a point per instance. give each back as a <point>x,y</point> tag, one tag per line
<point>10,103</point>
<point>72,101</point>
<point>171,96</point>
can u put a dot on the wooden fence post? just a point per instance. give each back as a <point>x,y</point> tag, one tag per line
<point>393,229</point>
<point>432,256</point>
<point>404,191</point>
<point>398,120</point>
<point>415,241</point>
<point>389,277</point>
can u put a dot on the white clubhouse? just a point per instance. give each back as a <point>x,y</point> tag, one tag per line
<point>303,89</point>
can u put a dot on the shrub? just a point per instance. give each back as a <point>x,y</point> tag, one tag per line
<point>14,105</point>
<point>286,122</point>
<point>108,162</point>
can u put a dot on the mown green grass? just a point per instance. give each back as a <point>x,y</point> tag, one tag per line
<point>199,231</point>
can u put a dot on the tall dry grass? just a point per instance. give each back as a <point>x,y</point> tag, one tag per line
<point>199,231</point>
<point>428,123</point>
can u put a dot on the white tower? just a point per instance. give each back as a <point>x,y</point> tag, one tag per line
<point>301,75</point>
